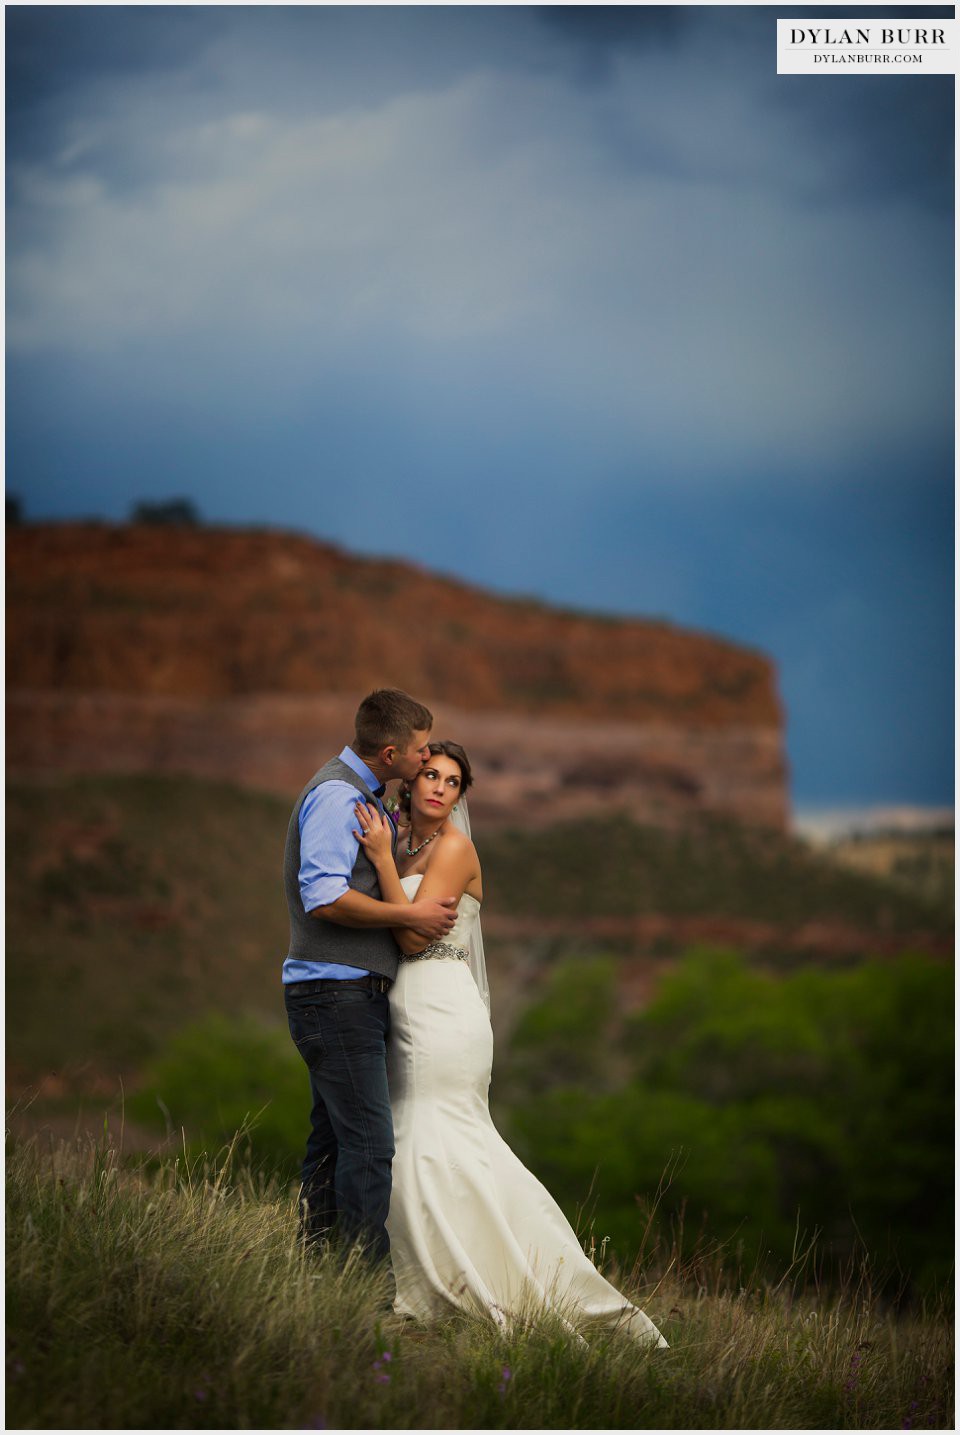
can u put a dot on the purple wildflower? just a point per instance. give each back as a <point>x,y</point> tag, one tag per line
<point>505,1375</point>
<point>854,1374</point>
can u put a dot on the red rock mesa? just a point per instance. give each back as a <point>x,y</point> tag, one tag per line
<point>241,654</point>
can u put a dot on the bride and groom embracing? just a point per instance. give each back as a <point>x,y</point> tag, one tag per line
<point>385,990</point>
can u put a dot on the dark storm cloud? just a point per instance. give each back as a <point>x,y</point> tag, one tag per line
<point>872,140</point>
<point>54,51</point>
<point>596,34</point>
<point>871,148</point>
<point>612,26</point>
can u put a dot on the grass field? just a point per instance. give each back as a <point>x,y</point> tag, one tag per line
<point>177,1298</point>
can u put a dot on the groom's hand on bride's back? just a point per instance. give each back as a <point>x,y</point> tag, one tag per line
<point>433,917</point>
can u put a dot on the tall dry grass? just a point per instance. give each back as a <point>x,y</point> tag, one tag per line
<point>175,1296</point>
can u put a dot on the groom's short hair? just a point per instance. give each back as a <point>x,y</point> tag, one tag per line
<point>388,717</point>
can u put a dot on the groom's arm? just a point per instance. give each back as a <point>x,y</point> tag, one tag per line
<point>328,851</point>
<point>433,918</point>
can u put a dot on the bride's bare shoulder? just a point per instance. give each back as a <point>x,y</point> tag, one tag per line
<point>457,844</point>
<point>457,847</point>
<point>454,860</point>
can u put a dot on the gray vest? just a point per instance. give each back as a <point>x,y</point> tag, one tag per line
<point>314,939</point>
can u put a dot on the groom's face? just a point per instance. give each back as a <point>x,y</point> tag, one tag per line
<point>408,762</point>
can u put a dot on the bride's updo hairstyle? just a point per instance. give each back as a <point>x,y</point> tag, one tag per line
<point>448,749</point>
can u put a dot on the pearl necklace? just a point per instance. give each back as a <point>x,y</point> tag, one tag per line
<point>412,852</point>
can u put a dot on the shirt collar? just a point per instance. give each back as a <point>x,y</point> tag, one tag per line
<point>357,765</point>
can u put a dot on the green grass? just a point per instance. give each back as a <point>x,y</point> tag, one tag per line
<point>177,1298</point>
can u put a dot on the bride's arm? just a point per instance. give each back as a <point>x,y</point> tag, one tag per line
<point>452,866</point>
<point>376,839</point>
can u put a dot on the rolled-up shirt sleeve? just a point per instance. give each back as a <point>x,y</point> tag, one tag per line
<point>328,848</point>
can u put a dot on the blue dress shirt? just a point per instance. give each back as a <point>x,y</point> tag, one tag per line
<point>328,850</point>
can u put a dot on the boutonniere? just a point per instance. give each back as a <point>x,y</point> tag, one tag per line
<point>392,808</point>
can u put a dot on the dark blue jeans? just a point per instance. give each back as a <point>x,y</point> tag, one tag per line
<point>341,1031</point>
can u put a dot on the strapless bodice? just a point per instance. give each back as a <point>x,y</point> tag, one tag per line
<point>468,910</point>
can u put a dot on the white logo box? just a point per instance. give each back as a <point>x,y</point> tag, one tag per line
<point>909,46</point>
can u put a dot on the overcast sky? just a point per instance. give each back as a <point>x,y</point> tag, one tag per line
<point>582,303</point>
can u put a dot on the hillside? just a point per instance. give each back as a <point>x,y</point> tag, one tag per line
<point>135,905</point>
<point>920,861</point>
<point>241,654</point>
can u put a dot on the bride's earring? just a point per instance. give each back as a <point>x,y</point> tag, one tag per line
<point>456,807</point>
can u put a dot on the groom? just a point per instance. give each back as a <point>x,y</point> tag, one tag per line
<point>341,963</point>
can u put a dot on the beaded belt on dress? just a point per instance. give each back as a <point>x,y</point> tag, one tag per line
<point>439,949</point>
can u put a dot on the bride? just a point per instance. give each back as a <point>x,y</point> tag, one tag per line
<point>470,1227</point>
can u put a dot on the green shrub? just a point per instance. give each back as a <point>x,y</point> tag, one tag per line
<point>824,1098</point>
<point>565,1037</point>
<point>221,1074</point>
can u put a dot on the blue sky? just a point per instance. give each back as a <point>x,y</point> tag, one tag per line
<point>582,303</point>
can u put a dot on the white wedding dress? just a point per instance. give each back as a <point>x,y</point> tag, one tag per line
<point>470,1227</point>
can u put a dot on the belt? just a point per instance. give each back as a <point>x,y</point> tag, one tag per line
<point>324,984</point>
<point>438,949</point>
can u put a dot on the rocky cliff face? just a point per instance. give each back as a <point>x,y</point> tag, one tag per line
<point>242,654</point>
